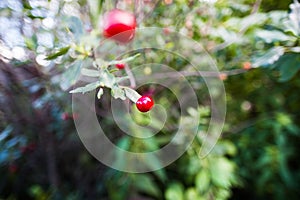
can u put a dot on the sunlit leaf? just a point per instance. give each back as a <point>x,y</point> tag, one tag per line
<point>202,180</point>
<point>125,60</point>
<point>60,52</point>
<point>269,57</point>
<point>174,192</point>
<point>270,36</point>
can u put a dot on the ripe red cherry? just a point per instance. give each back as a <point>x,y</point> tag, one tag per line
<point>120,65</point>
<point>119,25</point>
<point>145,103</point>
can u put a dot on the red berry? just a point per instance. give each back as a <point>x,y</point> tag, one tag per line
<point>145,103</point>
<point>247,65</point>
<point>119,25</point>
<point>64,116</point>
<point>13,168</point>
<point>120,65</point>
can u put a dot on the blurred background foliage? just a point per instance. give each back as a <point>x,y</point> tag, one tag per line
<point>45,44</point>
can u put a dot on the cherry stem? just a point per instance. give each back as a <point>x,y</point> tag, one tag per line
<point>131,76</point>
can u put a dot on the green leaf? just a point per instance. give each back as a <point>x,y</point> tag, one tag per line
<point>192,194</point>
<point>269,57</point>
<point>90,72</point>
<point>5,133</point>
<point>293,23</point>
<point>87,88</point>
<point>174,192</point>
<point>270,36</point>
<point>107,79</point>
<point>31,43</point>
<point>118,93</point>
<point>131,94</point>
<point>221,171</point>
<point>100,93</point>
<point>125,60</point>
<point>60,52</point>
<point>202,181</point>
<point>288,65</point>
<point>71,75</point>
<point>144,183</point>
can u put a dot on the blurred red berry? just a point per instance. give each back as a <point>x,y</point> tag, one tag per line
<point>223,76</point>
<point>64,116</point>
<point>247,65</point>
<point>119,25</point>
<point>75,115</point>
<point>120,65</point>
<point>12,168</point>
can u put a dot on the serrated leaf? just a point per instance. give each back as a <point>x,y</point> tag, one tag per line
<point>87,88</point>
<point>60,52</point>
<point>125,60</point>
<point>71,75</point>
<point>90,72</point>
<point>131,94</point>
<point>118,93</point>
<point>269,57</point>
<point>100,93</point>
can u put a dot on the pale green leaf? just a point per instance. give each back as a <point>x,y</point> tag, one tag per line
<point>90,72</point>
<point>269,57</point>
<point>202,181</point>
<point>222,172</point>
<point>107,79</point>
<point>174,192</point>
<point>118,93</point>
<point>270,36</point>
<point>131,94</point>
<point>125,60</point>
<point>87,88</point>
<point>71,75</point>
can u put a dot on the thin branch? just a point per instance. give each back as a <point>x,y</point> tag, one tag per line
<point>131,77</point>
<point>256,6</point>
<point>194,73</point>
